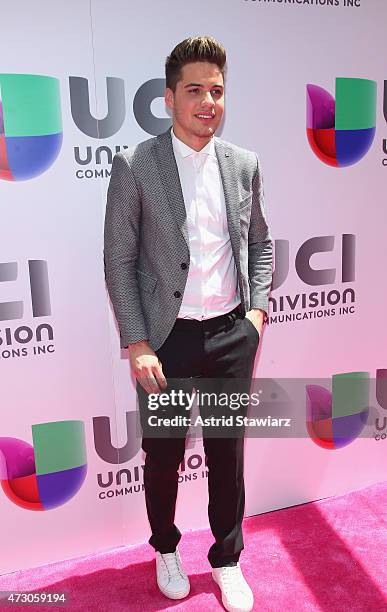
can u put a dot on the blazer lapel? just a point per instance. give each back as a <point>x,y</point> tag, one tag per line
<point>229,178</point>
<point>170,179</point>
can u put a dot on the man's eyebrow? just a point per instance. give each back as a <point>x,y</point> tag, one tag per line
<point>201,85</point>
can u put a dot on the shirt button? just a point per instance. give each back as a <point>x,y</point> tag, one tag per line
<point>177,294</point>
<point>183,266</point>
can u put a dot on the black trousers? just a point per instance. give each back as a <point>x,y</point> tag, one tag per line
<point>220,348</point>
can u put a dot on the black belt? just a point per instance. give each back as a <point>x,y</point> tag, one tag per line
<point>213,324</point>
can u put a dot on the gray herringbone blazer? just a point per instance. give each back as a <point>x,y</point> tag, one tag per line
<point>146,237</point>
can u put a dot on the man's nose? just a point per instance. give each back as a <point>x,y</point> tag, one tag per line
<point>208,100</point>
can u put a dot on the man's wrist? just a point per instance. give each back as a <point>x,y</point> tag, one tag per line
<point>135,345</point>
<point>265,318</point>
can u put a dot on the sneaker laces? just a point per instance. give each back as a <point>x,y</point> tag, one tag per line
<point>232,576</point>
<point>172,564</point>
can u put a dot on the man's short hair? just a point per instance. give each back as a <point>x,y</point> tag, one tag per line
<point>193,49</point>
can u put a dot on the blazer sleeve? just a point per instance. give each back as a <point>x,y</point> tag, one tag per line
<point>121,248</point>
<point>260,247</point>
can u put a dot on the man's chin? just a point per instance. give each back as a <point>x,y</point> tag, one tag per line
<point>205,131</point>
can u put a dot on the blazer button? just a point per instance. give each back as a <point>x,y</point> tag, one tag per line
<point>183,266</point>
<point>177,294</point>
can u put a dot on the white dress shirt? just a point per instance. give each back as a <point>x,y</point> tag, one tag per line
<point>212,283</point>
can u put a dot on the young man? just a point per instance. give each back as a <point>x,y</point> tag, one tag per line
<point>188,261</point>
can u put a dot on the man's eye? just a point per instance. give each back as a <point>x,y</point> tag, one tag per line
<point>217,92</point>
<point>193,90</point>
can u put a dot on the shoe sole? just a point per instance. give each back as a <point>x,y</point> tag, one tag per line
<point>174,595</point>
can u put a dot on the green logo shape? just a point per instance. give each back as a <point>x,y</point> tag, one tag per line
<point>30,125</point>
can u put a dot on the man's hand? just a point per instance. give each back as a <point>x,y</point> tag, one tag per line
<point>146,367</point>
<point>256,316</point>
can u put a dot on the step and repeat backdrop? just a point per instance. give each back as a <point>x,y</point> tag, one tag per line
<point>80,81</point>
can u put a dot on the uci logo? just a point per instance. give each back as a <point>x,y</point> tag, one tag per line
<point>341,132</point>
<point>48,474</point>
<point>30,125</point>
<point>335,418</point>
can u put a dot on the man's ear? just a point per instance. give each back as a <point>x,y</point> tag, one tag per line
<point>169,98</point>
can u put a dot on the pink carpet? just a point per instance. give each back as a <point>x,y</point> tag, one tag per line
<point>329,555</point>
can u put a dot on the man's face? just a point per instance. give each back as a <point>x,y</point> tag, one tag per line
<point>197,104</point>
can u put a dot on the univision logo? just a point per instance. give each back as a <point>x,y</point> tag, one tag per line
<point>334,419</point>
<point>341,132</point>
<point>30,125</point>
<point>48,474</point>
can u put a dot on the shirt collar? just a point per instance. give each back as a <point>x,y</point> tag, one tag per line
<point>184,150</point>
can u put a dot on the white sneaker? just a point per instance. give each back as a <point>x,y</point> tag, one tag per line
<point>236,593</point>
<point>171,578</point>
